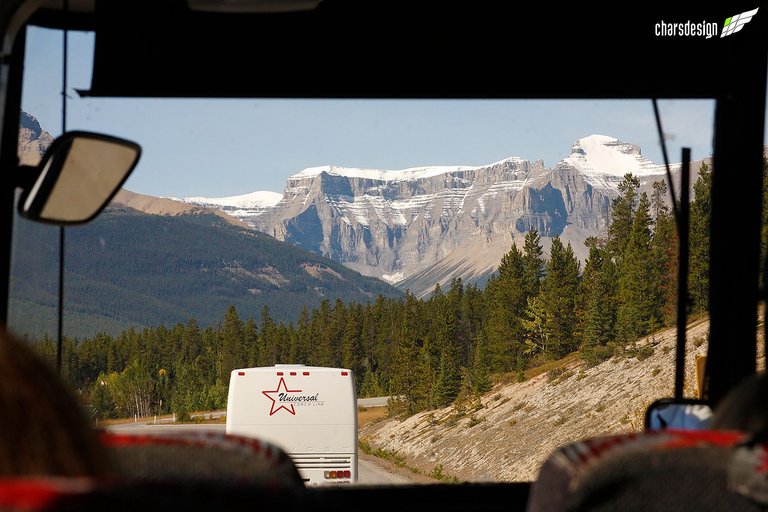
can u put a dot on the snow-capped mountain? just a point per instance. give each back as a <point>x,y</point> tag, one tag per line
<point>605,160</point>
<point>244,207</point>
<point>418,226</point>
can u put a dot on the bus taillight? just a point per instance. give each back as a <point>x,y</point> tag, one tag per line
<point>334,475</point>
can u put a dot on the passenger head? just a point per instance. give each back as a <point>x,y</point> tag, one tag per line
<point>43,430</point>
<point>745,407</point>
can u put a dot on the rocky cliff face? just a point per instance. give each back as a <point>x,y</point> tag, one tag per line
<point>392,226</point>
<point>33,140</point>
<point>416,227</point>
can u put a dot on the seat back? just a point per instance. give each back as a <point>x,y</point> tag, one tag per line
<point>669,470</point>
<point>202,456</point>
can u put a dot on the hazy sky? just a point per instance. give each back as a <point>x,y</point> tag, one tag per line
<point>255,144</point>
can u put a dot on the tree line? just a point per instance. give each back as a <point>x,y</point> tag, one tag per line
<point>428,353</point>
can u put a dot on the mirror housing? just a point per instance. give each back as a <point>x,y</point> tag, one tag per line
<point>678,414</point>
<point>77,177</point>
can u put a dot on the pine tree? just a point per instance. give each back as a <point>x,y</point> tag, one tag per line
<point>637,314</point>
<point>251,342</point>
<point>506,305</point>
<point>701,213</point>
<point>448,380</point>
<point>372,386</point>
<point>267,339</point>
<point>352,355</point>
<point>411,377</point>
<point>598,289</point>
<point>303,346</point>
<point>232,352</point>
<point>622,216</point>
<point>665,253</point>
<point>533,263</point>
<point>558,292</point>
<point>479,373</point>
<point>536,327</point>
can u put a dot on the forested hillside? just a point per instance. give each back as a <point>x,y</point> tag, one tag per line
<point>128,269</point>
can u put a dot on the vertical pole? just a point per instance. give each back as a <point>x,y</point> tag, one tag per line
<point>682,277</point>
<point>60,326</point>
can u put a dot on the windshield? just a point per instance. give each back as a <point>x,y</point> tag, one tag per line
<point>499,276</point>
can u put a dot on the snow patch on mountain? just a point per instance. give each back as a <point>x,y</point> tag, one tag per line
<point>413,173</point>
<point>604,160</point>
<point>243,207</point>
<point>259,199</point>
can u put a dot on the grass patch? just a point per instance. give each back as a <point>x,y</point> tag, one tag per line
<point>367,415</point>
<point>561,376</point>
<point>547,366</point>
<point>473,420</point>
<point>390,455</point>
<point>439,474</point>
<point>641,353</point>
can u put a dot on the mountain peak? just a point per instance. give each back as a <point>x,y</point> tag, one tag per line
<point>411,173</point>
<point>258,199</point>
<point>606,155</point>
<point>33,140</point>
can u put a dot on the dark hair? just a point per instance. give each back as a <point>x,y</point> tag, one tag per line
<point>745,407</point>
<point>43,430</point>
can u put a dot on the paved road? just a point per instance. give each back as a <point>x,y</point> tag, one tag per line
<point>368,471</point>
<point>379,401</point>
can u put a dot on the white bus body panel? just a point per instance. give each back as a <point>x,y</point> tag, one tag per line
<point>309,411</point>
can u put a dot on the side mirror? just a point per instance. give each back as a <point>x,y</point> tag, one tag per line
<point>678,414</point>
<point>78,175</point>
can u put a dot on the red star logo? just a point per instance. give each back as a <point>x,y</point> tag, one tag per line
<point>272,409</point>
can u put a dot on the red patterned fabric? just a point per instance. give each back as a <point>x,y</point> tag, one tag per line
<point>565,471</point>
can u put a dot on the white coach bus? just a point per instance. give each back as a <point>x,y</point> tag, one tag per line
<point>309,411</point>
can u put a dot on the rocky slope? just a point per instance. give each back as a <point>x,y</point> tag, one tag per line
<point>514,427</point>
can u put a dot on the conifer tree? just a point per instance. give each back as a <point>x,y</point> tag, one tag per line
<point>231,336</point>
<point>448,381</point>
<point>411,377</point>
<point>352,355</point>
<point>533,263</point>
<point>622,216</point>
<point>480,372</point>
<point>267,339</point>
<point>637,311</point>
<point>251,342</point>
<point>506,304</point>
<point>701,213</point>
<point>558,292</point>
<point>598,289</point>
<point>665,253</point>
